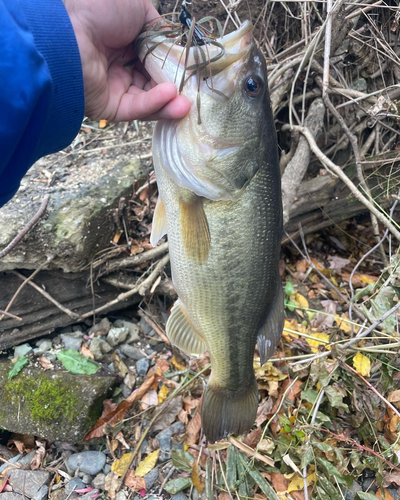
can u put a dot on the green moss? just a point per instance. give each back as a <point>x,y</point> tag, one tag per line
<point>46,399</point>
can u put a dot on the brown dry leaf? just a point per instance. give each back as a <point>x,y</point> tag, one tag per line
<point>183,417</point>
<point>160,368</point>
<point>301,266</point>
<point>120,438</point>
<point>37,460</point>
<point>168,416</point>
<point>249,451</point>
<point>291,394</point>
<point>112,484</point>
<point>194,427</point>
<point>23,442</point>
<point>279,482</point>
<point>273,387</point>
<point>120,411</point>
<point>385,496</point>
<point>190,403</point>
<point>114,444</point>
<point>394,397</point>
<point>119,365</point>
<point>117,237</point>
<point>45,363</point>
<point>134,482</point>
<point>337,263</point>
<point>393,478</point>
<point>149,399</point>
<point>197,483</point>
<point>325,320</point>
<point>224,496</point>
<point>85,351</point>
<point>253,437</point>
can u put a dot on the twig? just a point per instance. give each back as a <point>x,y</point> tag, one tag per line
<point>372,327</point>
<point>140,288</point>
<point>27,228</point>
<point>30,278</point>
<point>329,165</point>
<point>393,408</point>
<point>155,327</point>
<point>64,309</point>
<point>327,50</point>
<point>5,313</point>
<point>134,260</point>
<point>354,144</point>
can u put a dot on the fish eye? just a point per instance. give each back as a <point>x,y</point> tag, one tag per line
<point>253,86</point>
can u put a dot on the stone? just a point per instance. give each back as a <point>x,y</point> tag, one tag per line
<point>22,350</point>
<point>90,462</point>
<point>79,220</point>
<point>51,356</point>
<point>27,459</point>
<point>89,495</point>
<point>75,484</point>
<point>43,346</point>
<point>10,495</point>
<point>101,328</point>
<point>132,352</point>
<point>117,335</point>
<point>87,478</point>
<point>179,496</point>
<point>99,348</point>
<point>151,478</point>
<point>142,367</point>
<point>99,481</point>
<point>55,405</point>
<point>121,495</point>
<point>72,341</point>
<point>133,329</point>
<point>32,483</point>
<point>146,328</point>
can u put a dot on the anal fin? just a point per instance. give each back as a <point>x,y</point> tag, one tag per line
<point>159,228</point>
<point>194,228</point>
<point>270,333</point>
<point>181,333</point>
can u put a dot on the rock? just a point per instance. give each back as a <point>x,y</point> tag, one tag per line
<point>164,438</point>
<point>149,352</point>
<point>75,484</point>
<point>132,352</point>
<point>179,496</point>
<point>79,221</point>
<point>146,328</point>
<point>55,405</point>
<point>59,494</point>
<point>121,495</point>
<point>43,346</point>
<point>142,367</point>
<point>27,459</point>
<point>125,391</point>
<point>72,340</point>
<point>133,329</point>
<point>117,335</point>
<point>10,495</point>
<point>89,495</point>
<point>90,462</point>
<point>51,356</point>
<point>22,350</point>
<point>99,481</point>
<point>99,347</point>
<point>87,478</point>
<point>151,478</point>
<point>101,328</point>
<point>32,483</point>
<point>394,493</point>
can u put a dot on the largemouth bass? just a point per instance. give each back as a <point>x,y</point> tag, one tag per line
<point>220,204</point>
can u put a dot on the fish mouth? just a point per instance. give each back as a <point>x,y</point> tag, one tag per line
<point>167,61</point>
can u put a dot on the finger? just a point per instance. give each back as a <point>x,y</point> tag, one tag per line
<point>177,108</point>
<point>148,103</point>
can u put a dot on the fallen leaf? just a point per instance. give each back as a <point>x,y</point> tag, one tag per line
<point>23,442</point>
<point>147,464</point>
<point>112,484</point>
<point>103,123</point>
<point>177,365</point>
<point>149,399</point>
<point>297,483</point>
<point>194,427</point>
<point>279,482</point>
<point>163,393</point>
<point>344,324</point>
<point>362,364</point>
<point>197,483</point>
<point>75,363</point>
<point>301,300</point>
<point>121,466</point>
<point>168,416</point>
<point>385,496</point>
<point>134,482</point>
<point>45,363</point>
<point>337,263</point>
<point>318,340</point>
<point>38,459</point>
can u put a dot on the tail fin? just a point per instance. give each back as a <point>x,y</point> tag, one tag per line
<point>228,412</point>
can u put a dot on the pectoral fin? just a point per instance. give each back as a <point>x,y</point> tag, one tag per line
<point>181,333</point>
<point>194,228</point>
<point>159,228</point>
<point>270,333</point>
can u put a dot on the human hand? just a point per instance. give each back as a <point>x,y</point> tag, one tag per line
<point>105,30</point>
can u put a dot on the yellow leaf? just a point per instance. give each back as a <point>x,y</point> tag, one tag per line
<point>196,478</point>
<point>297,483</point>
<point>117,236</point>
<point>147,464</point>
<point>318,339</point>
<point>176,364</point>
<point>103,123</point>
<point>367,279</point>
<point>362,364</point>
<point>344,324</point>
<point>120,466</point>
<point>301,300</point>
<point>163,393</point>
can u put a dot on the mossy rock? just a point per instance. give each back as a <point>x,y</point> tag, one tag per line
<point>54,405</point>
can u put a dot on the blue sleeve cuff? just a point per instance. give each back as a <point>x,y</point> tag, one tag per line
<point>55,40</point>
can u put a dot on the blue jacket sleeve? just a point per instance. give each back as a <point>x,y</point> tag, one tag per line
<point>41,96</point>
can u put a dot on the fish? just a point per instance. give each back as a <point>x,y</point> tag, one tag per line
<point>218,176</point>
